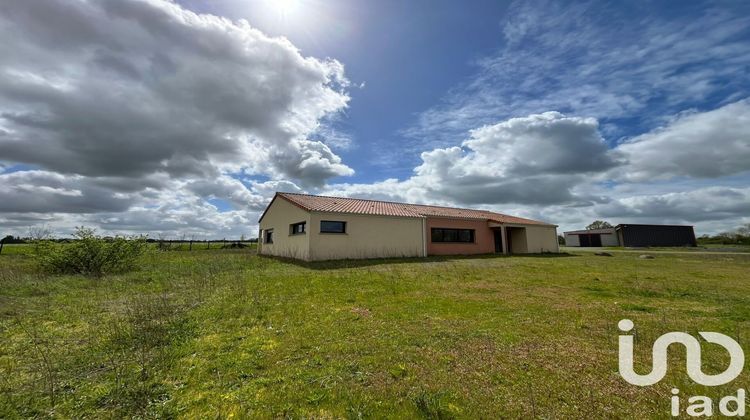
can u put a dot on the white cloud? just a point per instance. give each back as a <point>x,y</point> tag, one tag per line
<point>557,168</point>
<point>701,145</point>
<point>138,103</point>
<point>229,189</point>
<point>43,191</point>
<point>141,86</point>
<point>710,209</point>
<point>711,203</point>
<point>531,160</point>
<point>589,59</point>
<point>549,143</point>
<point>139,112</point>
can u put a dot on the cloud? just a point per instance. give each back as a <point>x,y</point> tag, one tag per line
<point>146,107</point>
<point>558,168</point>
<point>701,145</point>
<point>710,209</point>
<point>311,162</point>
<point>174,211</point>
<point>549,143</point>
<point>705,204</point>
<point>48,192</point>
<point>189,218</point>
<point>136,115</point>
<point>531,160</point>
<point>130,88</point>
<point>598,61</point>
<point>229,189</point>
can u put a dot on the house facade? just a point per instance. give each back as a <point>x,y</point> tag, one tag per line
<point>314,228</point>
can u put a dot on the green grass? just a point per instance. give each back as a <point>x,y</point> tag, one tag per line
<point>712,248</point>
<point>225,332</point>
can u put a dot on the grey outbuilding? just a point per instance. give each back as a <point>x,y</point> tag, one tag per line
<point>633,235</point>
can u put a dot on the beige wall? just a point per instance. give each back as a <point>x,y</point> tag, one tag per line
<point>518,240</point>
<point>572,240</point>
<point>541,239</point>
<point>610,239</point>
<point>366,237</point>
<point>279,216</point>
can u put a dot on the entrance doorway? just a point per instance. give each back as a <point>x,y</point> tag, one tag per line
<point>594,240</point>
<point>498,241</point>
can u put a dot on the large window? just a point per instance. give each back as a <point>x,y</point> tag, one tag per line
<point>327,226</point>
<point>268,239</point>
<point>452,235</point>
<point>297,228</point>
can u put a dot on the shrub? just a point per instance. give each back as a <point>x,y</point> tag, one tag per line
<point>90,254</point>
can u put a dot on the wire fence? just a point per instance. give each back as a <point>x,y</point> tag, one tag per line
<point>190,245</point>
<point>163,244</point>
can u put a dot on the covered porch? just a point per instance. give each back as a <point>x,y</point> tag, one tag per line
<point>509,239</point>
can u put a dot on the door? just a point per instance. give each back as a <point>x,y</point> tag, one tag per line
<point>596,240</point>
<point>584,240</point>
<point>509,240</point>
<point>498,241</point>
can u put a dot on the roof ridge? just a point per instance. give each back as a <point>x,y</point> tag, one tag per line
<point>312,202</point>
<point>394,202</point>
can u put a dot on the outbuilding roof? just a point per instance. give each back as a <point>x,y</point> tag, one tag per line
<point>590,231</point>
<point>389,208</point>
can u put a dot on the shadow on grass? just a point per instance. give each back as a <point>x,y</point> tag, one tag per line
<point>358,263</point>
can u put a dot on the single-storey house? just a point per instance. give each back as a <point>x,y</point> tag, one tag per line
<point>633,235</point>
<point>309,227</point>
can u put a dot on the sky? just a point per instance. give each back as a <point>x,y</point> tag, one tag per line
<point>183,118</point>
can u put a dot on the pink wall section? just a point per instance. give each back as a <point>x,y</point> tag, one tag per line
<point>484,240</point>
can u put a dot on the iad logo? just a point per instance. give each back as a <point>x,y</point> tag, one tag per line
<point>693,349</point>
<point>700,405</point>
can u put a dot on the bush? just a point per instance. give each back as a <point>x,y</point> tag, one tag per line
<point>90,254</point>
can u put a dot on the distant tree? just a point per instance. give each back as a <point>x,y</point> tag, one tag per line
<point>599,224</point>
<point>560,240</point>
<point>40,233</point>
<point>739,236</point>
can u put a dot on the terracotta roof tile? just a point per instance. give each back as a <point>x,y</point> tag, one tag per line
<point>388,208</point>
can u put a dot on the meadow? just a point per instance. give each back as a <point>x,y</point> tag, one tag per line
<point>220,333</point>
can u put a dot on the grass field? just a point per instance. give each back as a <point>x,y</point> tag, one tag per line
<point>227,333</point>
<point>709,248</point>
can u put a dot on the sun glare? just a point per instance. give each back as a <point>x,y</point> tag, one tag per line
<point>285,7</point>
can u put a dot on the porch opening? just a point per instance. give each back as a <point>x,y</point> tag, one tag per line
<point>516,237</point>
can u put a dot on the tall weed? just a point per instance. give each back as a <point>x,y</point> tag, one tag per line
<point>90,254</point>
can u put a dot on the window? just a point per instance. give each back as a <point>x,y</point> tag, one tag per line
<point>327,226</point>
<point>452,235</point>
<point>297,228</point>
<point>268,239</point>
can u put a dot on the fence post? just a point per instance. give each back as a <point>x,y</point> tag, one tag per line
<point>191,245</point>
<point>2,242</point>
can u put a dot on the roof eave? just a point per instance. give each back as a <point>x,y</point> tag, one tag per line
<point>282,195</point>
